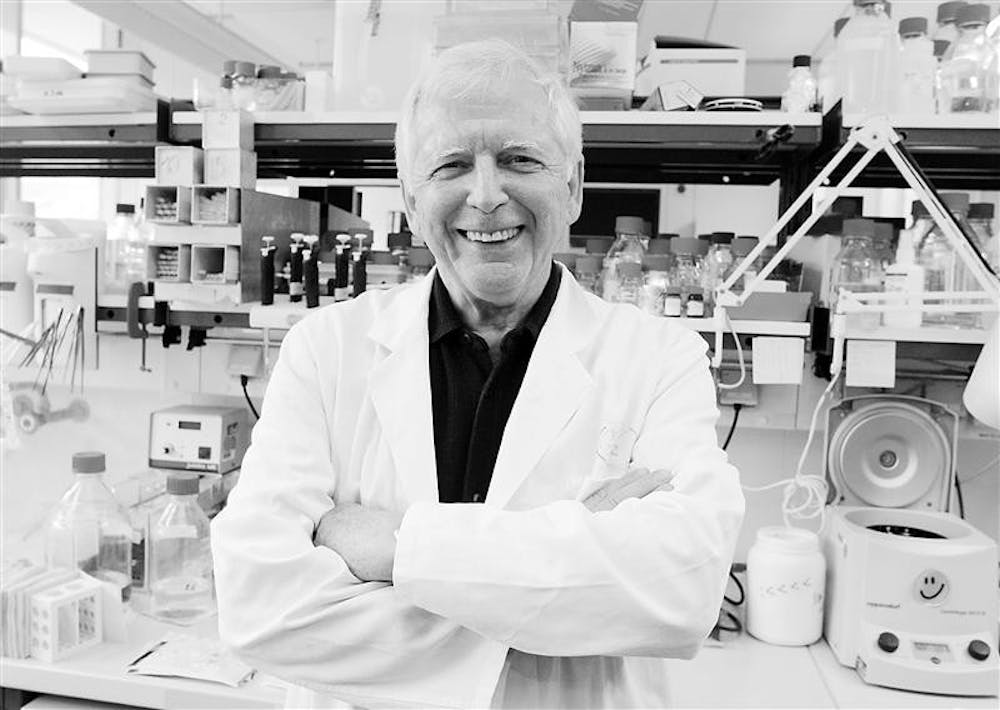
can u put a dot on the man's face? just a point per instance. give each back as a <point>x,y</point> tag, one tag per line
<point>491,193</point>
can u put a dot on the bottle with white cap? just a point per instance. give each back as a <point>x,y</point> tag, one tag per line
<point>180,555</point>
<point>786,577</point>
<point>917,68</point>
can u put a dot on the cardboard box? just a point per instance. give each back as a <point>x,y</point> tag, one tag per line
<point>713,72</point>
<point>178,165</point>
<point>231,167</point>
<point>226,129</point>
<point>602,55</point>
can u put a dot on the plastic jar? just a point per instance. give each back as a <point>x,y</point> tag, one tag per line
<point>786,576</point>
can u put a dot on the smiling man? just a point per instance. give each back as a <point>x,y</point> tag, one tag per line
<point>490,488</point>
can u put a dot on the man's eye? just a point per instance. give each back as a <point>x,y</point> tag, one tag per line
<point>522,161</point>
<point>449,168</point>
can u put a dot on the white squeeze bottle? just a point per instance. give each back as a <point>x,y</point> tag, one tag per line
<point>869,55</point>
<point>828,76</point>
<point>904,276</point>
<point>917,68</point>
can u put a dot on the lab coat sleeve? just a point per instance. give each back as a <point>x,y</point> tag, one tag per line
<point>295,610</point>
<point>645,578</point>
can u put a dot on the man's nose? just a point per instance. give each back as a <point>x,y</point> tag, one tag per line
<point>487,191</point>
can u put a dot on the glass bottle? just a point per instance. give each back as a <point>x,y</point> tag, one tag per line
<point>245,86</point>
<point>917,68</point>
<point>741,247</point>
<point>629,282</point>
<point>116,248</point>
<point>801,93</point>
<point>868,62</point>
<point>717,265</point>
<point>943,268</point>
<point>89,529</point>
<point>627,248</point>
<point>827,78</point>
<point>946,31</point>
<point>687,265</point>
<point>421,261</point>
<point>181,556</point>
<point>588,269</point>
<point>399,244</point>
<point>857,269</point>
<point>654,283</point>
<point>964,72</point>
<point>981,220</point>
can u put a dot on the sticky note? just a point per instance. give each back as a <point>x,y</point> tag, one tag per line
<point>778,361</point>
<point>871,363</point>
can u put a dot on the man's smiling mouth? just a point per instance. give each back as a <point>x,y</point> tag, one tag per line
<point>501,235</point>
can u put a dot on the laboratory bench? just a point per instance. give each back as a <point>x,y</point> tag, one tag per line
<point>741,672</point>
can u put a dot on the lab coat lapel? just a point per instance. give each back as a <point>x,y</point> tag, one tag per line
<point>554,386</point>
<point>401,391</point>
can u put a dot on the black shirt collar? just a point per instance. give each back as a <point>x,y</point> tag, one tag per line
<point>443,318</point>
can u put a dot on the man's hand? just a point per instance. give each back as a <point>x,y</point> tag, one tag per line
<point>637,483</point>
<point>364,537</point>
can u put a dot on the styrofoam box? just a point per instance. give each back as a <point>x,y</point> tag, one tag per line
<point>179,165</point>
<point>713,72</point>
<point>168,204</point>
<point>230,167</point>
<point>227,129</point>
<point>118,61</point>
<point>168,262</point>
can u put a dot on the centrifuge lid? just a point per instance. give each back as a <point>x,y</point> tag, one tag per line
<point>890,453</point>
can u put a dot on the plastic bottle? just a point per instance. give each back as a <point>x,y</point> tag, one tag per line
<point>687,265</point>
<point>654,283</point>
<point>588,269</point>
<point>856,268</point>
<point>801,93</point>
<point>870,52</point>
<point>917,68</point>
<point>943,268</point>
<point>981,220</point>
<point>964,72</point>
<point>627,248</point>
<point>717,265</point>
<point>827,76</point>
<point>786,575</point>
<point>116,249</point>
<point>629,282</point>
<point>181,557</point>
<point>695,305</point>
<point>946,31</point>
<point>904,275</point>
<point>89,528</point>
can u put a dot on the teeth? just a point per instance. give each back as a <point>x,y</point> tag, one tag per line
<point>499,236</point>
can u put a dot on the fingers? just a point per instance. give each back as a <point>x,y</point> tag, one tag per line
<point>636,483</point>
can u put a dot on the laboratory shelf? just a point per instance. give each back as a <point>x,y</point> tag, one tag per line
<point>619,146</point>
<point>955,151</point>
<point>98,145</point>
<point>923,334</point>
<point>750,327</point>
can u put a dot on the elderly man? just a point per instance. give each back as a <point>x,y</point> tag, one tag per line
<point>490,488</point>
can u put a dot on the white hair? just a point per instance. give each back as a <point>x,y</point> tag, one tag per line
<point>473,69</point>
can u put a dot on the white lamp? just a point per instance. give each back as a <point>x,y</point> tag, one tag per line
<point>982,393</point>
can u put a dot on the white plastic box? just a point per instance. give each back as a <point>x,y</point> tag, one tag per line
<point>713,72</point>
<point>602,55</point>
<point>226,129</point>
<point>231,167</point>
<point>119,61</point>
<point>179,165</point>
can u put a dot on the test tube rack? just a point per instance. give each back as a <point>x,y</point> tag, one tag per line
<point>66,618</point>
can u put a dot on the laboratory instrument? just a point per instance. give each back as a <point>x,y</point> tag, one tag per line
<point>267,249</point>
<point>295,247</point>
<point>198,438</point>
<point>310,270</point>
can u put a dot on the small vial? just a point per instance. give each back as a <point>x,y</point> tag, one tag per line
<point>695,307</point>
<point>672,302</point>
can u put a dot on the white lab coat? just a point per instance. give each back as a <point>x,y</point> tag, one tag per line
<point>528,600</point>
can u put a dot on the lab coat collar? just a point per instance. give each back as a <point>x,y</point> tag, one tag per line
<point>554,385</point>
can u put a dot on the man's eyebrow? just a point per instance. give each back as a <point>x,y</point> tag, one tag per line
<point>520,145</point>
<point>447,153</point>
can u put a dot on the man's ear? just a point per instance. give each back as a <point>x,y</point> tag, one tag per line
<point>409,203</point>
<point>576,191</point>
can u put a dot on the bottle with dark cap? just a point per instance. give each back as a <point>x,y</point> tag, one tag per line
<point>868,68</point>
<point>587,271</point>
<point>917,68</point>
<point>946,31</point>
<point>981,222</point>
<point>717,265</point>
<point>944,270</point>
<point>801,93</point>
<point>89,529</point>
<point>967,78</point>
<point>857,269</point>
<point>181,577</point>
<point>828,76</point>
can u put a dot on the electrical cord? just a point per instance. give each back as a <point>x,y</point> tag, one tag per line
<point>243,382</point>
<point>737,408</point>
<point>816,489</point>
<point>958,497</point>
<point>739,354</point>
